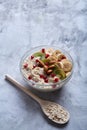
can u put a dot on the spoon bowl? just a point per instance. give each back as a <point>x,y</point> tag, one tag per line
<point>55,112</point>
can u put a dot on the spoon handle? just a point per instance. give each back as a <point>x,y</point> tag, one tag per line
<point>21,87</point>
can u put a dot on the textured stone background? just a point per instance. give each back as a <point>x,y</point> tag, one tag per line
<point>28,23</point>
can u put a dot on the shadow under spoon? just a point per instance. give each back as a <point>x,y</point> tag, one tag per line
<point>53,111</point>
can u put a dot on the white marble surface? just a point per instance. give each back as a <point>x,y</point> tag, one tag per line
<point>28,23</point>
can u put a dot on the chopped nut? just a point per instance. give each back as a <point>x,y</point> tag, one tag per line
<point>41,63</point>
<point>52,62</point>
<point>51,66</point>
<point>45,67</point>
<point>49,71</point>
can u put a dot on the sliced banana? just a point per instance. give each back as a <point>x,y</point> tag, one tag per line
<point>52,58</point>
<point>68,73</point>
<point>67,66</point>
<point>60,65</point>
<point>61,56</point>
<point>56,52</point>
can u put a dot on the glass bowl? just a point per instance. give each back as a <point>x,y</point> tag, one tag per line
<point>49,86</point>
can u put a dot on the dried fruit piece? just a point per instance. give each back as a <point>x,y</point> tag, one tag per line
<point>56,80</point>
<point>37,60</point>
<point>25,65</point>
<point>47,55</point>
<point>32,57</point>
<point>43,50</point>
<point>34,66</point>
<point>29,77</point>
<point>64,57</point>
<point>42,76</point>
<point>46,80</point>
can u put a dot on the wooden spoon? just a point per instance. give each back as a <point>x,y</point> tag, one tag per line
<point>53,111</point>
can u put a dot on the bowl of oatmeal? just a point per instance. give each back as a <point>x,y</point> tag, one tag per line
<point>46,68</point>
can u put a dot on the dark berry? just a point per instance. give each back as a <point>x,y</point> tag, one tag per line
<point>43,50</point>
<point>56,80</point>
<point>47,55</point>
<point>29,77</point>
<point>53,75</point>
<point>25,65</point>
<point>46,80</point>
<point>32,57</point>
<point>41,76</point>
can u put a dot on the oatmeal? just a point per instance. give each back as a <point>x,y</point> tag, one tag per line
<point>46,66</point>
